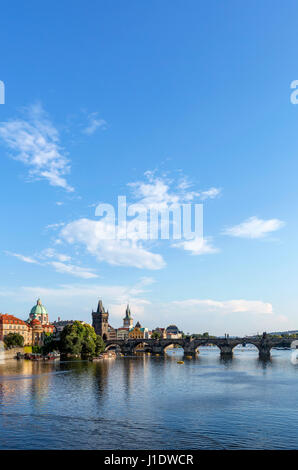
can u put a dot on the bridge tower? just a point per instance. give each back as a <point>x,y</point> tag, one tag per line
<point>100,321</point>
<point>127,320</point>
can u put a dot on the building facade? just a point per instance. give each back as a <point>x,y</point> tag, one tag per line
<point>173,332</point>
<point>161,331</point>
<point>138,332</point>
<point>12,324</point>
<point>33,330</point>
<point>122,333</point>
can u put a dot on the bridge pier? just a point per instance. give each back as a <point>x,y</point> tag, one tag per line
<point>158,349</point>
<point>264,352</point>
<point>226,350</point>
<point>265,347</point>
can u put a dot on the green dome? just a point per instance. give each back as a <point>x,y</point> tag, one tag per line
<point>39,309</point>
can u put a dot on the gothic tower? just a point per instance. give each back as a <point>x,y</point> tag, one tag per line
<point>127,320</point>
<point>100,321</point>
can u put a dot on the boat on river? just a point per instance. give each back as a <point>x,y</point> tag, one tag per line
<point>105,355</point>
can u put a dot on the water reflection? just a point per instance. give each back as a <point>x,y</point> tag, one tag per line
<point>151,402</point>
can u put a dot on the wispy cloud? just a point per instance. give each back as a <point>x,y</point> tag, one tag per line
<point>35,142</point>
<point>257,307</point>
<point>77,271</point>
<point>26,259</point>
<point>55,226</point>
<point>197,246</point>
<point>254,228</point>
<point>59,261</point>
<point>80,299</point>
<point>94,123</point>
<point>210,193</point>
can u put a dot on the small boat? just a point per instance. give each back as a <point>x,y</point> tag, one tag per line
<point>105,355</point>
<point>96,359</point>
<point>36,357</point>
<point>54,356</point>
<point>180,362</point>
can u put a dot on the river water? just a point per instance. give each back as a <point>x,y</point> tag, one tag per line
<point>147,402</point>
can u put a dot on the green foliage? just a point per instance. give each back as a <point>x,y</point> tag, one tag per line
<point>36,349</point>
<point>80,340</point>
<point>49,344</point>
<point>156,335</point>
<point>13,340</point>
<point>99,345</point>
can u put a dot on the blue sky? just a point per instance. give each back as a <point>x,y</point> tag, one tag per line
<point>135,98</point>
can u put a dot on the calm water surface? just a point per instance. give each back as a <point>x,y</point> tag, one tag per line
<point>151,403</point>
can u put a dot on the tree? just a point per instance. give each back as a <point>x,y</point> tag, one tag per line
<point>156,335</point>
<point>99,345</point>
<point>13,340</point>
<point>49,343</point>
<point>80,340</point>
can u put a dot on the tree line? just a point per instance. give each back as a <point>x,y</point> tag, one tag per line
<point>79,340</point>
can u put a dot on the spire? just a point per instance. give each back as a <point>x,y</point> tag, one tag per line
<point>100,308</point>
<point>128,314</point>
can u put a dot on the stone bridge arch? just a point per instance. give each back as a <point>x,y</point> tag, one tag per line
<point>145,345</point>
<point>167,345</point>
<point>197,344</point>
<point>247,343</point>
<point>113,346</point>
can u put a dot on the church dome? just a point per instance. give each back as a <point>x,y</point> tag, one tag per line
<point>35,323</point>
<point>38,309</point>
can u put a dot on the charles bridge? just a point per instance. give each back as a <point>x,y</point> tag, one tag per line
<point>263,343</point>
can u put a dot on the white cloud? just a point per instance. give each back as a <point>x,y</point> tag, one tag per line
<point>94,123</point>
<point>55,226</point>
<point>257,307</point>
<point>237,316</point>
<point>127,252</point>
<point>35,142</point>
<point>59,261</point>
<point>52,253</point>
<point>197,246</point>
<point>254,228</point>
<point>76,301</point>
<point>210,193</point>
<point>26,259</point>
<point>73,270</point>
<point>100,237</point>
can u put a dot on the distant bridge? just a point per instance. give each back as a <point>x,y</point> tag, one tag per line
<point>191,345</point>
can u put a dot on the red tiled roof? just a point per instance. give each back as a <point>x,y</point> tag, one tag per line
<point>11,320</point>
